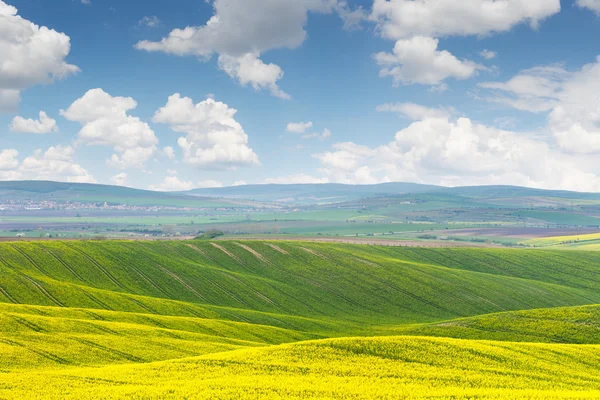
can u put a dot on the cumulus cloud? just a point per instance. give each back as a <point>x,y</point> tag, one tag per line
<point>295,179</point>
<point>119,179</point>
<point>460,152</point>
<point>172,184</point>
<point>213,138</point>
<point>571,97</point>
<point>30,55</point>
<point>418,60</point>
<point>55,164</point>
<point>593,5</point>
<point>415,25</point>
<point>400,19</point>
<point>43,125</point>
<point>414,111</point>
<point>298,127</point>
<point>240,31</point>
<point>248,69</point>
<point>106,122</point>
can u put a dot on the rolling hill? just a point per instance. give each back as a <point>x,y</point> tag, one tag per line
<point>201,319</point>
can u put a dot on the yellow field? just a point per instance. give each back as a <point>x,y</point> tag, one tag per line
<point>562,240</point>
<point>365,368</point>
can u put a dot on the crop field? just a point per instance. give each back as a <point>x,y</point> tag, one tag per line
<point>592,238</point>
<point>289,319</point>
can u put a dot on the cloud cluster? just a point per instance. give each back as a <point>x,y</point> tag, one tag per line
<point>56,164</point>
<point>415,25</point>
<point>45,124</point>
<point>29,55</point>
<point>106,122</point>
<point>571,98</point>
<point>240,31</point>
<point>213,138</point>
<point>418,60</point>
<point>447,151</point>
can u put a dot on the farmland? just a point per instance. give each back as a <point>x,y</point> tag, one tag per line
<point>250,319</point>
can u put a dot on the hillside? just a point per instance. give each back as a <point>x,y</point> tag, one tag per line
<point>93,193</point>
<point>294,320</point>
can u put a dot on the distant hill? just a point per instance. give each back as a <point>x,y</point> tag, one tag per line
<point>92,193</point>
<point>301,194</point>
<point>312,193</point>
<point>337,193</point>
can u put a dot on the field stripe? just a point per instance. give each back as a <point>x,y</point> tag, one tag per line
<point>184,283</point>
<point>255,253</point>
<point>43,290</point>
<point>28,258</point>
<point>100,267</point>
<point>230,254</point>
<point>7,295</point>
<point>277,248</point>
<point>64,264</point>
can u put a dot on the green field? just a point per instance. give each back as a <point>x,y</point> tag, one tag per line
<point>260,319</point>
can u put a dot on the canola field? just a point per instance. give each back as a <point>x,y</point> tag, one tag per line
<point>275,320</point>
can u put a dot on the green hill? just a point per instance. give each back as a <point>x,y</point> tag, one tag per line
<point>123,318</point>
<point>575,325</point>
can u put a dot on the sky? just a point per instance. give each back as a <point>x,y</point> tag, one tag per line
<point>199,93</point>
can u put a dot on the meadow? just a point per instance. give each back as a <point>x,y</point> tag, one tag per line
<point>269,319</point>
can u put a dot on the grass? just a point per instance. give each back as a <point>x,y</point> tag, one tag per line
<point>260,319</point>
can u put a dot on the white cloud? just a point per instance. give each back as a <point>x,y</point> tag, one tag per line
<point>45,124</point>
<point>214,139</point>
<point>415,25</point>
<point>460,152</point>
<point>239,183</point>
<point>210,183</point>
<point>401,19</point>
<point>172,184</point>
<point>172,172</point>
<point>249,69</point>
<point>106,122</point>
<point>150,22</point>
<point>298,127</point>
<point>240,31</point>
<point>86,2</point>
<point>8,159</point>
<point>571,98</point>
<point>417,60</point>
<point>119,179</point>
<point>488,54</point>
<point>169,152</point>
<point>295,179</point>
<point>414,111</point>
<point>30,55</point>
<point>593,5</point>
<point>55,164</point>
<point>326,134</point>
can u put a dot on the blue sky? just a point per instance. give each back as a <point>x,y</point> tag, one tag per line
<point>395,90</point>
